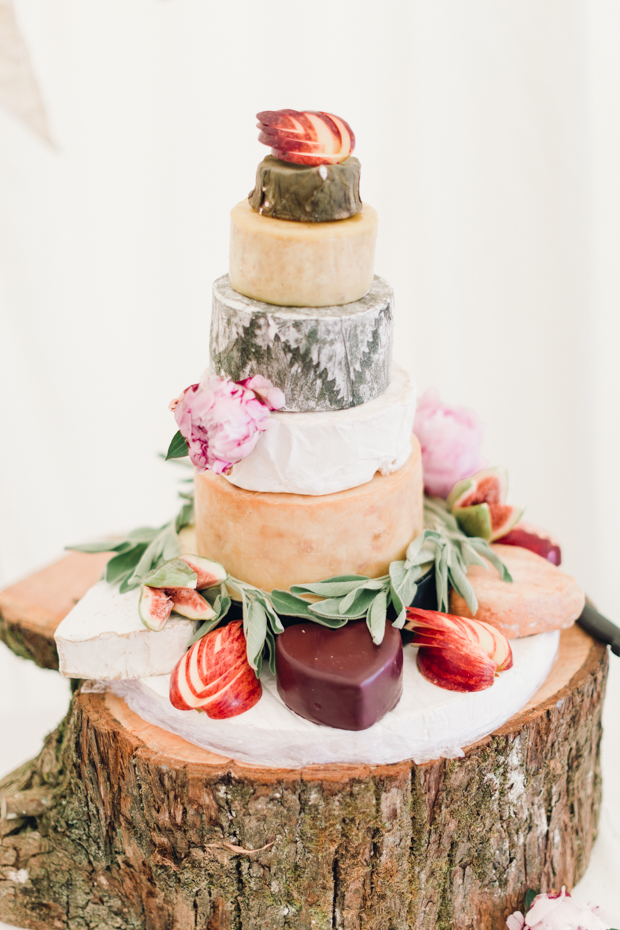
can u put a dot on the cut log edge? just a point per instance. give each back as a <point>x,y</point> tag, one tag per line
<point>580,657</point>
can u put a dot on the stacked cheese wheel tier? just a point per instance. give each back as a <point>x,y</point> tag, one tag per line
<point>302,264</point>
<point>277,540</point>
<point>326,452</point>
<point>323,358</point>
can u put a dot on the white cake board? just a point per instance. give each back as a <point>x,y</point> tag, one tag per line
<point>428,723</point>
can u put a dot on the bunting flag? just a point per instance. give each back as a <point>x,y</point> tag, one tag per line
<point>19,90</point>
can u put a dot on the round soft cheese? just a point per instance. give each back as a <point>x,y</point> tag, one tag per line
<point>428,722</point>
<point>277,540</point>
<point>302,264</point>
<point>326,452</point>
<point>323,358</point>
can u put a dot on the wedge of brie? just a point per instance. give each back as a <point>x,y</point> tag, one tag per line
<point>103,638</point>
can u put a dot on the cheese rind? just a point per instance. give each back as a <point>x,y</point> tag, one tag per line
<point>104,638</point>
<point>326,358</point>
<point>307,193</point>
<point>540,597</point>
<point>325,452</point>
<point>276,540</point>
<point>296,264</point>
<point>427,723</point>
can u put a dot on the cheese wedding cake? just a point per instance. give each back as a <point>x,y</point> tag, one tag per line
<point>344,581</point>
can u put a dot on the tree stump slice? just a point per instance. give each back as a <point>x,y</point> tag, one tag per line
<point>120,824</point>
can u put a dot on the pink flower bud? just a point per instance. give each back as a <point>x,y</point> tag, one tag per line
<point>558,912</point>
<point>450,438</point>
<point>221,420</point>
<point>270,395</point>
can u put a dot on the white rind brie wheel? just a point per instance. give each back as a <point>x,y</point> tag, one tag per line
<point>428,723</point>
<point>328,451</point>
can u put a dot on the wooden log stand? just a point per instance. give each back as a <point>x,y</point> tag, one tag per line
<point>119,824</point>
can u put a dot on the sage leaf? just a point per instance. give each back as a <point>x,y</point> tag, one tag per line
<point>481,546</point>
<point>376,617</point>
<point>289,605</point>
<point>275,623</point>
<point>333,622</point>
<point>171,543</point>
<point>123,564</point>
<point>359,603</point>
<point>143,534</point>
<point>441,578</point>
<point>173,574</point>
<point>185,516</point>
<point>125,583</point>
<point>255,633</point>
<point>331,587</point>
<point>104,545</point>
<point>177,448</point>
<point>403,589</point>
<point>462,584</point>
<point>221,608</point>
<point>327,608</point>
<point>270,645</point>
<point>148,560</point>
<point>469,555</point>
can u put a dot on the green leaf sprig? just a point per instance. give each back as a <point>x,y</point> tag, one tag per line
<point>331,602</point>
<point>178,447</point>
<point>452,551</point>
<point>142,550</point>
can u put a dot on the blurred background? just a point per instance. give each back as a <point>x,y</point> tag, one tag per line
<point>489,137</point>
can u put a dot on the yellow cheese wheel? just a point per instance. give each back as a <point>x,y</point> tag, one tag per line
<point>276,540</point>
<point>302,264</point>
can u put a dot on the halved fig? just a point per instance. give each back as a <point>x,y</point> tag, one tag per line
<point>175,573</point>
<point>190,604</point>
<point>209,573</point>
<point>155,607</point>
<point>478,503</point>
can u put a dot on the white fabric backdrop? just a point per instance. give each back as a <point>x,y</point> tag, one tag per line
<point>499,231</point>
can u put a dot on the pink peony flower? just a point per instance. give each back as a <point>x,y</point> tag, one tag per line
<point>221,420</point>
<point>451,438</point>
<point>558,912</point>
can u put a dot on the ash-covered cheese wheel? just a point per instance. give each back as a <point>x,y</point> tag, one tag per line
<point>302,264</point>
<point>323,358</point>
<point>277,540</point>
<point>307,193</point>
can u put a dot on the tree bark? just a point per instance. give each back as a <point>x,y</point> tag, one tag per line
<point>119,824</point>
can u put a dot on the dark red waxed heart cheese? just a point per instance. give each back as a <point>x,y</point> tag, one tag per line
<point>339,678</point>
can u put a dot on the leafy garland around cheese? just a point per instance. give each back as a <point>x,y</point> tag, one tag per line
<point>441,545</point>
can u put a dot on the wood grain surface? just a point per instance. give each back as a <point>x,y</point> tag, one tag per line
<point>120,824</point>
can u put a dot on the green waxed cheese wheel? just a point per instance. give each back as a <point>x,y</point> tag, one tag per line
<point>316,194</point>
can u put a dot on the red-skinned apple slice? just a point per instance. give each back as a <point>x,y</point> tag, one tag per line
<point>448,667</point>
<point>237,697</point>
<point>451,648</point>
<point>197,675</point>
<point>308,137</point>
<point>215,675</point>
